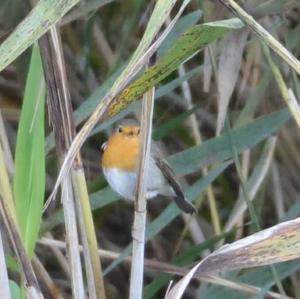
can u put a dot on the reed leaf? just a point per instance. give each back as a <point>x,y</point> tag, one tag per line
<point>29,178</point>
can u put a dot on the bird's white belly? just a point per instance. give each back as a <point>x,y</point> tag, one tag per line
<point>124,183</point>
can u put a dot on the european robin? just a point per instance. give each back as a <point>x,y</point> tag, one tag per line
<point>120,160</point>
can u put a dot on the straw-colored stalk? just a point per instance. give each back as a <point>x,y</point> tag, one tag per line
<point>198,140</point>
<point>139,224</point>
<point>72,238</point>
<point>46,278</point>
<point>4,290</point>
<point>57,94</point>
<point>84,214</point>
<point>61,113</point>
<point>8,214</point>
<point>138,61</point>
<point>160,267</point>
<point>88,235</point>
<point>263,34</point>
<point>241,205</point>
<point>287,94</point>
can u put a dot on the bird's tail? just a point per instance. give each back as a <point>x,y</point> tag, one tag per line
<point>177,193</point>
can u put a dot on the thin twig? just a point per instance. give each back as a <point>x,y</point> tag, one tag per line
<point>62,261</point>
<point>32,287</point>
<point>287,95</point>
<point>45,277</point>
<point>6,148</point>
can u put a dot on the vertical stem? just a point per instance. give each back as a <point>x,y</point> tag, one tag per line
<point>198,140</point>
<point>72,239</point>
<point>89,235</point>
<point>4,289</point>
<point>139,225</point>
<point>64,131</point>
<point>58,93</point>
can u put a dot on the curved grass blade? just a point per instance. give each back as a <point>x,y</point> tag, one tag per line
<point>273,245</point>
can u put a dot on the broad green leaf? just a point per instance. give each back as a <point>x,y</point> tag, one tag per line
<point>136,106</point>
<point>12,264</point>
<point>253,100</point>
<point>177,121</point>
<point>180,27</point>
<point>219,149</point>
<point>42,17</point>
<point>192,41</point>
<point>29,178</point>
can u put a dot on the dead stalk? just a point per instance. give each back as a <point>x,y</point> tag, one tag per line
<point>139,224</point>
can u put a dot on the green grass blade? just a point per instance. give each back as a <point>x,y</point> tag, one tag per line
<point>41,18</point>
<point>15,290</point>
<point>180,27</point>
<point>29,179</point>
<point>187,45</point>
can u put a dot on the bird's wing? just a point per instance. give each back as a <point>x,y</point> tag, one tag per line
<point>170,176</point>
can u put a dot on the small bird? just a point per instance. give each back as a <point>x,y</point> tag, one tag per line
<point>120,158</point>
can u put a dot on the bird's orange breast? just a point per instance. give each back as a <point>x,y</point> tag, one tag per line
<point>122,152</point>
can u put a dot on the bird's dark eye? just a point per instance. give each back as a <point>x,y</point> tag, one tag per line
<point>120,129</point>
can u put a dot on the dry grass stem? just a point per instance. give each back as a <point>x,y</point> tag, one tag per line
<point>4,290</point>
<point>132,69</point>
<point>140,211</point>
<point>153,265</point>
<point>263,34</point>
